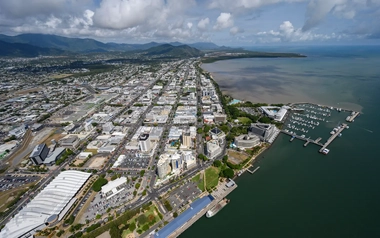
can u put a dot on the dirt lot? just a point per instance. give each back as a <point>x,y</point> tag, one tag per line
<point>60,76</point>
<point>96,162</point>
<point>29,90</point>
<point>55,136</point>
<point>236,157</point>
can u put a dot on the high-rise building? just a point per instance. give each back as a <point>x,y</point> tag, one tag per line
<point>186,139</point>
<point>176,162</point>
<point>163,167</point>
<point>39,154</point>
<point>144,143</point>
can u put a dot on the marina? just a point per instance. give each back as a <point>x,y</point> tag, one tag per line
<point>306,117</point>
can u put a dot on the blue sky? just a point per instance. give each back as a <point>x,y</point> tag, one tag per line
<point>224,22</point>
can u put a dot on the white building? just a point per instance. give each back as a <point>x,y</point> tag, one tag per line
<point>114,187</point>
<point>186,139</point>
<point>49,206</point>
<point>163,167</point>
<point>144,143</point>
<point>247,141</point>
<point>213,149</point>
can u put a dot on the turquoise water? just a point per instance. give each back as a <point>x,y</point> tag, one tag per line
<point>298,192</point>
<point>234,101</point>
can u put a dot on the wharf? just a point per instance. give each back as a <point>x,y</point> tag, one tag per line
<point>219,193</point>
<point>353,116</point>
<point>307,140</point>
<point>253,171</point>
<point>332,138</point>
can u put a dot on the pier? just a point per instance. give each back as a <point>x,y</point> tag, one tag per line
<point>307,140</point>
<point>352,117</point>
<point>332,138</point>
<point>252,172</point>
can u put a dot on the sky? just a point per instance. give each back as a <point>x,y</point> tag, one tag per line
<point>224,22</point>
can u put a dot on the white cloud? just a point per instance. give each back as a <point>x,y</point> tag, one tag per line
<point>203,24</point>
<point>235,30</point>
<point>288,33</point>
<point>238,5</point>
<point>223,21</point>
<point>189,25</point>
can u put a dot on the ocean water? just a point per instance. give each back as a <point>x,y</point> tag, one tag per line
<point>298,192</point>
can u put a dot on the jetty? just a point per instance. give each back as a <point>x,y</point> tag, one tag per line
<point>352,117</point>
<point>332,138</point>
<point>317,141</point>
<point>253,171</point>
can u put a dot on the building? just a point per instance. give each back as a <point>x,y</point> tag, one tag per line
<point>186,139</point>
<point>266,132</point>
<point>217,134</point>
<point>18,132</point>
<point>176,162</point>
<point>276,113</point>
<point>220,118</point>
<point>108,128</point>
<point>213,149</point>
<point>163,167</point>
<point>114,187</point>
<point>70,141</point>
<point>48,207</point>
<point>39,154</point>
<point>54,156</point>
<point>144,143</point>
<point>84,155</point>
<point>247,141</point>
<point>184,217</point>
<point>188,159</point>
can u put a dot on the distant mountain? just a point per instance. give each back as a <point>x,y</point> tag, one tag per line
<point>90,45</point>
<point>204,46</point>
<point>26,50</point>
<point>173,51</point>
<point>58,42</point>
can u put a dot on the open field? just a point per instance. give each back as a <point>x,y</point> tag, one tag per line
<point>8,196</point>
<point>28,90</point>
<point>94,151</point>
<point>96,162</point>
<point>55,136</point>
<point>236,157</point>
<point>212,177</point>
<point>244,120</point>
<point>60,76</point>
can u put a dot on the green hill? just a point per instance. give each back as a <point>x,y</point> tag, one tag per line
<point>173,51</point>
<point>26,50</point>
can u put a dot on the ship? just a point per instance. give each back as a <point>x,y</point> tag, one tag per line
<point>214,210</point>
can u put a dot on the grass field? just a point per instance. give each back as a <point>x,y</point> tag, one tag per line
<point>8,196</point>
<point>94,151</point>
<point>197,179</point>
<point>212,177</point>
<point>55,136</point>
<point>244,120</point>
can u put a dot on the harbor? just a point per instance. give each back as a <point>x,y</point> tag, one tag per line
<point>305,118</point>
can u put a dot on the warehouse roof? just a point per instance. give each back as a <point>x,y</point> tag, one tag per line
<point>49,203</point>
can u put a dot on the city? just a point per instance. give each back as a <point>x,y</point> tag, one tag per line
<point>148,139</point>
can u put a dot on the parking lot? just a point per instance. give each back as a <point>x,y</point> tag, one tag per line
<point>133,162</point>
<point>183,195</point>
<point>100,204</point>
<point>13,181</point>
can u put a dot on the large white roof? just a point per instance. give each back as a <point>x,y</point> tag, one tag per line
<point>113,184</point>
<point>50,201</point>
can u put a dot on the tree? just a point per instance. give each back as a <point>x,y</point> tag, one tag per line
<point>115,232</point>
<point>175,214</point>
<point>97,186</point>
<point>217,163</point>
<point>132,226</point>
<point>94,124</point>
<point>228,173</point>
<point>142,219</point>
<point>142,172</point>
<point>137,186</point>
<point>265,120</point>
<point>225,158</point>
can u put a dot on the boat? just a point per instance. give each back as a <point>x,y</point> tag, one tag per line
<point>291,139</point>
<point>325,151</point>
<point>340,134</point>
<point>219,206</point>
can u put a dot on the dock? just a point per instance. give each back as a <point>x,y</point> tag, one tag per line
<point>352,117</point>
<point>332,138</point>
<point>252,172</point>
<point>307,140</point>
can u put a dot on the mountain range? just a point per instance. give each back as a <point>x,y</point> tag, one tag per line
<point>29,45</point>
